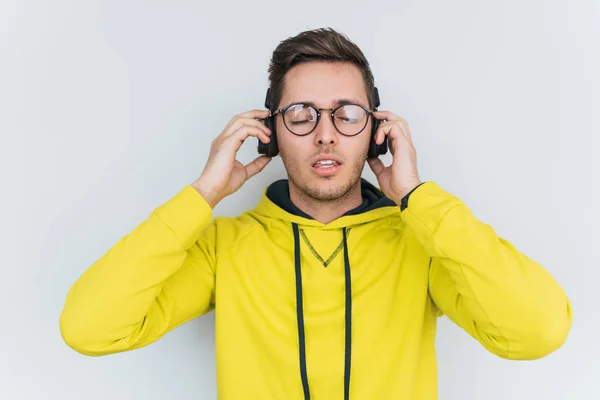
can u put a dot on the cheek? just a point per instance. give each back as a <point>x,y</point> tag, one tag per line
<point>366,139</point>
<point>357,148</point>
<point>283,137</point>
<point>293,147</point>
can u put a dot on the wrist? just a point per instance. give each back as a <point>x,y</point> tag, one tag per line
<point>207,192</point>
<point>409,188</point>
<point>404,201</point>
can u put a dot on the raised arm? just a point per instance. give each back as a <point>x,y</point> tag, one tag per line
<point>501,297</point>
<point>152,280</point>
<point>163,273</point>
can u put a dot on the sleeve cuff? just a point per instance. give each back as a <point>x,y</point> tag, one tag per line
<point>404,201</point>
<point>187,214</point>
<point>428,206</point>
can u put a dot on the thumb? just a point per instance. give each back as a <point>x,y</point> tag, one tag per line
<point>256,166</point>
<point>376,165</point>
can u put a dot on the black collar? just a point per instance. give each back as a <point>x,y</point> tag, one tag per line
<point>279,193</point>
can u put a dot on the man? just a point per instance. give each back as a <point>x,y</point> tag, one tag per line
<point>329,288</point>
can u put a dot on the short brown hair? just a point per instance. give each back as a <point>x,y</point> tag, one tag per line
<point>323,44</point>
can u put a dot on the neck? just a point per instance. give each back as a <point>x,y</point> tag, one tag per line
<point>326,211</point>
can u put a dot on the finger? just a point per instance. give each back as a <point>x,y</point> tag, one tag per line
<point>238,137</point>
<point>387,128</point>
<point>388,116</point>
<point>256,114</point>
<point>376,165</point>
<point>256,166</point>
<point>391,130</point>
<point>253,115</point>
<point>245,121</point>
<point>392,146</point>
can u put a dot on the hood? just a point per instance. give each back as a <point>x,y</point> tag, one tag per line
<point>276,204</point>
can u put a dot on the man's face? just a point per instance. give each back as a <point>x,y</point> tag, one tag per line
<point>322,84</point>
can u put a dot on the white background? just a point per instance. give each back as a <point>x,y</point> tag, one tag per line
<point>108,108</point>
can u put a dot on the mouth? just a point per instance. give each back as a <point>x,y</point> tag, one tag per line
<point>326,167</point>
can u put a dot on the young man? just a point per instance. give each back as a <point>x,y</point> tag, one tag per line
<point>329,288</point>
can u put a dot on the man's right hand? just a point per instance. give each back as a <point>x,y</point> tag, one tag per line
<point>223,174</point>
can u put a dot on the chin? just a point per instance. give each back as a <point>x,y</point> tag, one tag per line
<point>327,189</point>
<point>322,188</point>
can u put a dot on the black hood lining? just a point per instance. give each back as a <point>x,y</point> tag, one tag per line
<point>279,193</point>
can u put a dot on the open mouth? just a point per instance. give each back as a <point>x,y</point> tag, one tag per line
<point>326,167</point>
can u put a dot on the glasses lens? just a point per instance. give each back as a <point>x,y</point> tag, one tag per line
<point>300,119</point>
<point>350,119</point>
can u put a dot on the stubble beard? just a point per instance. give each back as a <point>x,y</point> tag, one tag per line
<point>314,188</point>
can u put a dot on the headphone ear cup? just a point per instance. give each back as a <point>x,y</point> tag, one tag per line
<point>269,149</point>
<point>375,150</point>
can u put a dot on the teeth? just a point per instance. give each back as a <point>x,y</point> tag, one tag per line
<point>326,162</point>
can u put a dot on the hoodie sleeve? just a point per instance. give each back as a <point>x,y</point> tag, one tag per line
<point>501,297</point>
<point>152,280</point>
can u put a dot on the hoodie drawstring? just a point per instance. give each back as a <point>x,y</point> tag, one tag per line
<point>300,316</point>
<point>348,329</point>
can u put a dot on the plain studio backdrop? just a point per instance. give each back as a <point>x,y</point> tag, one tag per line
<point>107,109</point>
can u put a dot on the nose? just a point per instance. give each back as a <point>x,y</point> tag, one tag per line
<point>325,132</point>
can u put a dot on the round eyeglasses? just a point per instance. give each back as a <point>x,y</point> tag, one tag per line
<point>301,119</point>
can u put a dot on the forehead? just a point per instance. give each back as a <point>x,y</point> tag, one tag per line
<point>322,82</point>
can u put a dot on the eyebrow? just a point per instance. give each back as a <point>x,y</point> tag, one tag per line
<point>337,102</point>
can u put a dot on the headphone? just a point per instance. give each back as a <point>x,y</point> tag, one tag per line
<point>271,149</point>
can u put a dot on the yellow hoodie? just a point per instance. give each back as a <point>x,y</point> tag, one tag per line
<point>305,310</point>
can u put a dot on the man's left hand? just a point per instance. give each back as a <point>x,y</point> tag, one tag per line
<point>399,178</point>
